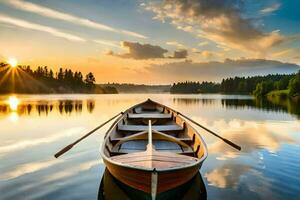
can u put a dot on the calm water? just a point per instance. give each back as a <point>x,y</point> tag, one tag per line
<point>33,128</point>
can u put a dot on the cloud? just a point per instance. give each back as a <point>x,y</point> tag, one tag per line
<point>110,53</point>
<point>224,48</point>
<point>17,146</point>
<point>141,51</point>
<point>239,177</point>
<point>281,53</point>
<point>72,171</point>
<point>179,54</point>
<point>228,176</point>
<point>270,9</point>
<point>241,132</point>
<point>209,55</point>
<point>38,27</point>
<point>215,71</point>
<point>206,54</point>
<point>201,44</point>
<point>28,168</point>
<point>176,44</point>
<point>221,21</point>
<point>297,57</point>
<point>109,43</point>
<point>47,12</point>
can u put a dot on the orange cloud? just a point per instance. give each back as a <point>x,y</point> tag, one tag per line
<point>218,21</point>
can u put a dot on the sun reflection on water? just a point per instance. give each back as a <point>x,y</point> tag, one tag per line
<point>13,103</point>
<point>14,117</point>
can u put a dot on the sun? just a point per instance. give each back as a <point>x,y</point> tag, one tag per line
<point>12,62</point>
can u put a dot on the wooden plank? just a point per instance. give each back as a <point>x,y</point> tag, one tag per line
<point>134,145</point>
<point>142,159</point>
<point>165,145</point>
<point>185,140</point>
<point>166,155</point>
<point>172,179</point>
<point>163,136</point>
<point>117,151</point>
<point>141,180</point>
<point>158,160</point>
<point>159,145</point>
<point>138,128</point>
<point>149,116</point>
<point>157,156</point>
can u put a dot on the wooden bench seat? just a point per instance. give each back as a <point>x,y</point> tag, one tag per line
<point>156,159</point>
<point>186,140</point>
<point>160,146</point>
<point>149,116</point>
<point>139,128</point>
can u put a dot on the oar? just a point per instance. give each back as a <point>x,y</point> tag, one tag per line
<point>70,146</point>
<point>215,134</point>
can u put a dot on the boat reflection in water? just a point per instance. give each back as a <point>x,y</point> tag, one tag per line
<point>110,189</point>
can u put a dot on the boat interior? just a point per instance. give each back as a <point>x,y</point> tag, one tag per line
<point>172,138</point>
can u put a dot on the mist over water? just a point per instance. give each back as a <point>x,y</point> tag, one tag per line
<point>34,127</point>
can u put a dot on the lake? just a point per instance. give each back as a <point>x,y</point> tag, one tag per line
<point>34,127</point>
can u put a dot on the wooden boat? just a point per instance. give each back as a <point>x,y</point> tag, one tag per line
<point>110,188</point>
<point>153,149</point>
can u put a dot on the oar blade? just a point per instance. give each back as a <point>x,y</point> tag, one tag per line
<point>64,150</point>
<point>232,144</point>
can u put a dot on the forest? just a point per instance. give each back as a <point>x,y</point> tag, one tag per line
<point>195,87</point>
<point>138,88</point>
<point>284,84</point>
<point>23,79</point>
<point>42,80</point>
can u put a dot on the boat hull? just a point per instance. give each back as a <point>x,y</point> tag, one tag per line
<point>111,188</point>
<point>141,179</point>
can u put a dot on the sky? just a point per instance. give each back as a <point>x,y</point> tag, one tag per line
<point>153,41</point>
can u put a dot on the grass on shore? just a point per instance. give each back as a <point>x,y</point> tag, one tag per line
<point>278,93</point>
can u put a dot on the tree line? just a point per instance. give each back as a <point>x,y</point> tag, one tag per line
<point>257,85</point>
<point>23,79</point>
<point>138,88</point>
<point>188,87</point>
<point>247,85</point>
<point>287,86</point>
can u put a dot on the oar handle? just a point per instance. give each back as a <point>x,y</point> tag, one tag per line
<point>64,150</point>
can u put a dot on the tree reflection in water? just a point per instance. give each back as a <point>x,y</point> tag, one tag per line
<point>90,104</point>
<point>46,107</point>
<point>269,104</point>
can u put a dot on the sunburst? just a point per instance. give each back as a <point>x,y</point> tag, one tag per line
<point>17,76</point>
<point>12,62</point>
